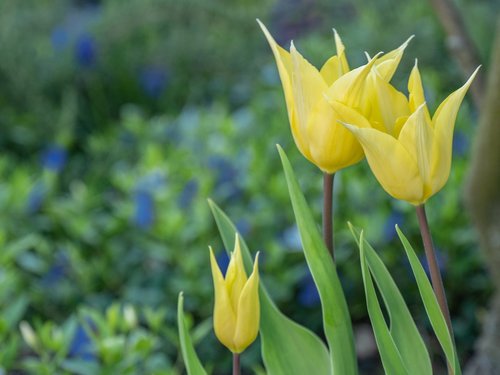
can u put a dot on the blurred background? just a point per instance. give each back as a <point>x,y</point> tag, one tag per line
<point>118,119</point>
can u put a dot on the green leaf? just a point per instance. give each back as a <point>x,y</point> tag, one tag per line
<point>403,330</point>
<point>431,305</point>
<point>191,361</point>
<point>391,359</point>
<point>336,319</point>
<point>287,347</point>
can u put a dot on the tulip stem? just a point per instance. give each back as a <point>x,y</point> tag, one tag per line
<point>328,212</point>
<point>437,280</point>
<point>236,364</point>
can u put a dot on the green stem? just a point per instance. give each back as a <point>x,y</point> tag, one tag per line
<point>437,280</point>
<point>328,212</point>
<point>236,364</point>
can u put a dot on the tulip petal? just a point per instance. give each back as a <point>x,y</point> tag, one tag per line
<point>416,90</point>
<point>444,123</point>
<point>236,277</point>
<point>348,89</point>
<point>344,65</point>
<point>395,169</point>
<point>307,87</point>
<point>248,321</point>
<point>387,104</point>
<point>331,70</point>
<point>284,64</point>
<point>417,138</point>
<point>224,316</point>
<point>332,146</point>
<point>388,63</point>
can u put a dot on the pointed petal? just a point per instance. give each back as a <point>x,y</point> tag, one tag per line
<point>331,71</point>
<point>388,63</point>
<point>444,123</point>
<point>387,104</point>
<point>236,277</point>
<point>307,85</point>
<point>395,169</point>
<point>332,146</point>
<point>348,89</point>
<point>344,65</point>
<point>284,64</point>
<point>224,316</point>
<point>416,90</point>
<point>248,321</point>
<point>417,138</point>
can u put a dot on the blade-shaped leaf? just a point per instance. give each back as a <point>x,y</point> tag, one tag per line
<point>287,347</point>
<point>391,359</point>
<point>403,330</point>
<point>191,360</point>
<point>431,305</point>
<point>336,320</point>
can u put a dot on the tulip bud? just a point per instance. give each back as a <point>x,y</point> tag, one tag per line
<point>236,308</point>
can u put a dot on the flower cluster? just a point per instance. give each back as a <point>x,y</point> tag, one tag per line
<point>339,115</point>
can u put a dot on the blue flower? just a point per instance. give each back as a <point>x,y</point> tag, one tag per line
<point>153,81</point>
<point>85,51</point>
<point>308,295</point>
<point>144,209</point>
<point>226,177</point>
<point>389,229</point>
<point>188,194</point>
<point>223,261</point>
<point>460,143</point>
<point>54,158</point>
<point>59,38</point>
<point>291,238</point>
<point>36,198</point>
<point>81,345</point>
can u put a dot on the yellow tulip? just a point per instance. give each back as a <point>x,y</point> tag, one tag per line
<point>314,123</point>
<point>408,151</point>
<point>236,308</point>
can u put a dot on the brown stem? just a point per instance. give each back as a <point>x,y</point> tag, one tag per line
<point>236,364</point>
<point>437,280</point>
<point>328,212</point>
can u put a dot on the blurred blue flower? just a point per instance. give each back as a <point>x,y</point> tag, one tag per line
<point>223,261</point>
<point>226,177</point>
<point>243,226</point>
<point>144,209</point>
<point>460,144</point>
<point>153,81</point>
<point>85,50</point>
<point>291,238</point>
<point>81,345</point>
<point>308,295</point>
<point>57,271</point>
<point>36,197</point>
<point>188,194</point>
<point>59,38</point>
<point>54,158</point>
<point>389,230</point>
<point>153,181</point>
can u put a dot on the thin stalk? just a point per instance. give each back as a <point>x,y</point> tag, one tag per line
<point>437,280</point>
<point>236,364</point>
<point>328,212</point>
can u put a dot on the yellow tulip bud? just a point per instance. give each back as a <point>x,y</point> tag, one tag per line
<point>236,308</point>
<point>408,152</point>
<point>308,91</point>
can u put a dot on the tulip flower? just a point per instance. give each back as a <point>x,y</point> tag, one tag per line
<point>408,152</point>
<point>314,123</point>
<point>237,308</point>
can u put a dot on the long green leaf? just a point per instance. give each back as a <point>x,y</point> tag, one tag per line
<point>287,347</point>
<point>431,305</point>
<point>336,320</point>
<point>389,354</point>
<point>191,360</point>
<point>403,330</point>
